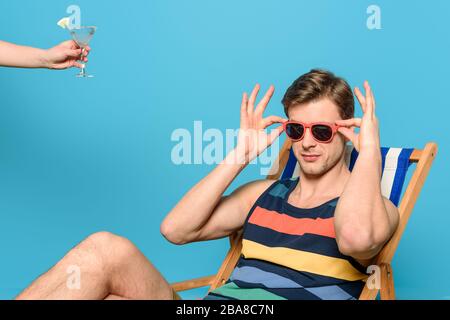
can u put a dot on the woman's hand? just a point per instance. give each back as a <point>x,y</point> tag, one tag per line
<point>65,55</point>
<point>368,139</point>
<point>252,137</point>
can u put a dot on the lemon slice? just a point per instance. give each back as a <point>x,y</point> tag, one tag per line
<point>64,23</point>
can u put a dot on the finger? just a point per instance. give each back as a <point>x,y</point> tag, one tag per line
<point>70,44</point>
<point>275,133</point>
<point>78,65</point>
<point>361,99</point>
<point>265,100</point>
<point>349,134</point>
<point>353,122</point>
<point>251,101</point>
<point>369,101</point>
<point>266,122</point>
<point>373,101</point>
<point>75,53</point>
<point>244,115</point>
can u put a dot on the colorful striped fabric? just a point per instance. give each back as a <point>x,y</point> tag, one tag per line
<point>395,164</point>
<point>291,253</point>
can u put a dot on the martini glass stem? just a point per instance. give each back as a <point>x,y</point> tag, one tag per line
<point>82,71</point>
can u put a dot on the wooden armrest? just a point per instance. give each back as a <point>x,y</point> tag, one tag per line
<point>193,283</point>
<point>387,290</point>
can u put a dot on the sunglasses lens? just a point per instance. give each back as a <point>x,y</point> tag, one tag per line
<point>294,130</point>
<point>322,132</point>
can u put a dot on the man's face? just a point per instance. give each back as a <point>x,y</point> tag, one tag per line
<point>328,154</point>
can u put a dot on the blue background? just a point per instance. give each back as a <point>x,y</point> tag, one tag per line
<point>85,155</point>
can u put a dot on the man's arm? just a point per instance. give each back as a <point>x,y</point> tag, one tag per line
<point>62,56</point>
<point>204,213</point>
<point>364,219</point>
<point>230,214</point>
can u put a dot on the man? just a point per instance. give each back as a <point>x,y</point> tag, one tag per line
<point>62,56</point>
<point>306,238</point>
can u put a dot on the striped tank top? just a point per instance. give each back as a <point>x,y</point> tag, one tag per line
<point>291,253</point>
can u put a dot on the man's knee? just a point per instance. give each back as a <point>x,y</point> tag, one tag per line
<point>109,248</point>
<point>102,239</point>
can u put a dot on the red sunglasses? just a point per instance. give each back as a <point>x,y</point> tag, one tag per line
<point>322,132</point>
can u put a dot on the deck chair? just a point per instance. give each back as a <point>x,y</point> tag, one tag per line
<point>395,163</point>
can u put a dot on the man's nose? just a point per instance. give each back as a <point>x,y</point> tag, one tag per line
<point>308,140</point>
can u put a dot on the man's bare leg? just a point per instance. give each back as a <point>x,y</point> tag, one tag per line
<point>110,267</point>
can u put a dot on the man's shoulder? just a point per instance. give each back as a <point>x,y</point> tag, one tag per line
<point>257,186</point>
<point>251,191</point>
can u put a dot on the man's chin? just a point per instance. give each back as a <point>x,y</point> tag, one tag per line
<point>312,168</point>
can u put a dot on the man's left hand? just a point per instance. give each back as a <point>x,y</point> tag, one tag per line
<point>368,138</point>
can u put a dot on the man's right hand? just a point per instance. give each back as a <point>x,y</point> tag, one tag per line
<point>204,213</point>
<point>253,138</point>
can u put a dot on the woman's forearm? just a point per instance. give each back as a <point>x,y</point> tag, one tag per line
<point>12,55</point>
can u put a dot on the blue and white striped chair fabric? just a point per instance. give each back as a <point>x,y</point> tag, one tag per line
<point>395,164</point>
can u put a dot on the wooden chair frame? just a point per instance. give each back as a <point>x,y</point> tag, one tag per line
<point>422,157</point>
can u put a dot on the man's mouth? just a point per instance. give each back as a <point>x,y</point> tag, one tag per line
<point>310,157</point>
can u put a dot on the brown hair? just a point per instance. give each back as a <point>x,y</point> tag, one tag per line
<point>318,84</point>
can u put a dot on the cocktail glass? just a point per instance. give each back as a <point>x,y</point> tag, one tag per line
<point>82,36</point>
